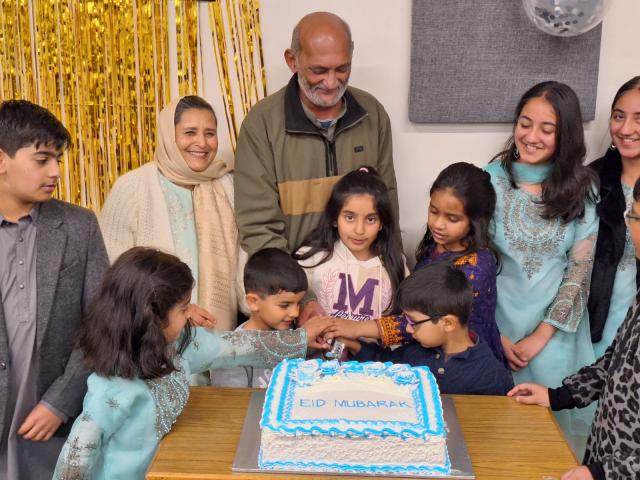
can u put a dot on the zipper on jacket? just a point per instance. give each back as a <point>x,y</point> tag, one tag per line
<point>330,157</point>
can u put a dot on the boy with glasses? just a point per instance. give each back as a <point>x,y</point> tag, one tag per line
<point>436,301</point>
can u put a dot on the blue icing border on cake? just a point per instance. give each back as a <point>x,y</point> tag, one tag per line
<point>328,426</point>
<point>355,468</point>
<point>265,422</point>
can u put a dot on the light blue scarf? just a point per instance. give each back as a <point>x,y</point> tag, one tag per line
<point>527,173</point>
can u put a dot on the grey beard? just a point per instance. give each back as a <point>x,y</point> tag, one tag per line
<point>315,99</point>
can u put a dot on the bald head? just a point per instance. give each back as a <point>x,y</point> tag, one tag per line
<point>320,56</point>
<point>320,26</point>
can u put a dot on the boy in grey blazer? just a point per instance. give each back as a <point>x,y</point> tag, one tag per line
<point>52,258</point>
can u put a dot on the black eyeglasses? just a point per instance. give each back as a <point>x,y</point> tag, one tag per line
<point>413,323</point>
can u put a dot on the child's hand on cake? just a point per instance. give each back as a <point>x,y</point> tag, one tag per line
<point>316,328</point>
<point>530,394</point>
<point>351,329</point>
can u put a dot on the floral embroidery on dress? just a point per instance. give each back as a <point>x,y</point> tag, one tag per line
<point>565,312</point>
<point>83,445</point>
<point>270,347</point>
<point>182,222</point>
<point>182,218</point>
<point>73,470</point>
<point>390,329</point>
<point>170,394</point>
<point>529,235</point>
<point>468,259</point>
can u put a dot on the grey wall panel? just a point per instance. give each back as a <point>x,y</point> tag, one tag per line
<point>472,60</point>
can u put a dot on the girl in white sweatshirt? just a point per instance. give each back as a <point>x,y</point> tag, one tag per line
<point>352,259</point>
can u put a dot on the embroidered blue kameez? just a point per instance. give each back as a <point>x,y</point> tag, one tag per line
<point>544,277</point>
<point>123,420</point>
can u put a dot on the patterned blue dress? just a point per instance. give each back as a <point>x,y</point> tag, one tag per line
<point>123,421</point>
<point>546,269</point>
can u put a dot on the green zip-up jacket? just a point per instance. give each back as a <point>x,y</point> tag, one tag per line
<point>285,167</point>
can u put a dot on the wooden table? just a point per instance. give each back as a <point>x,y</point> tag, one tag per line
<point>505,440</point>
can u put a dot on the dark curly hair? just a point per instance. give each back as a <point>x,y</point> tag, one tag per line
<point>122,334</point>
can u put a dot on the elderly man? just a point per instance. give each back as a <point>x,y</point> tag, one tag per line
<point>295,144</point>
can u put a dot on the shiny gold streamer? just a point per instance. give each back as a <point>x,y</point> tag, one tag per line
<point>238,23</point>
<point>187,45</point>
<point>103,68</point>
<point>16,64</point>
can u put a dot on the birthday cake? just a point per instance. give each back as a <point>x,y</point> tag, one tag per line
<point>371,417</point>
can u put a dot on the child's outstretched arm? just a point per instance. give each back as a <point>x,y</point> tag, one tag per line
<point>265,349</point>
<point>391,330</point>
<point>351,330</point>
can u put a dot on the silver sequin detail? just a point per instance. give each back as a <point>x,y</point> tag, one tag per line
<point>530,236</point>
<point>170,394</point>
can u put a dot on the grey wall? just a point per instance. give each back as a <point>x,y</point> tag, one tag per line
<point>472,60</point>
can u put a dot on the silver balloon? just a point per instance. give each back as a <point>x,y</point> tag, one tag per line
<point>565,18</point>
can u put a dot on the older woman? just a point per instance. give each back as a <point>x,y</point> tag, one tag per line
<point>182,203</point>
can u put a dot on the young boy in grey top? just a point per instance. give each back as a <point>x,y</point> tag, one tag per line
<point>275,285</point>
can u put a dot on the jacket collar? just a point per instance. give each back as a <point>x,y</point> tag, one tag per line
<point>474,351</point>
<point>295,120</point>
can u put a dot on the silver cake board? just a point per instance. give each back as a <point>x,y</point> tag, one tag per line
<point>246,459</point>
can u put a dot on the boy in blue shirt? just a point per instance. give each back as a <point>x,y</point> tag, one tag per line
<point>437,303</point>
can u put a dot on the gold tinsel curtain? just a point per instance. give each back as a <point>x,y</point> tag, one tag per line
<point>103,68</point>
<point>239,62</point>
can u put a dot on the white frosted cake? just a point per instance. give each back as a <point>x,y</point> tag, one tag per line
<point>353,417</point>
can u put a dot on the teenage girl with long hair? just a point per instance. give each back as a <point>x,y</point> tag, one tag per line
<point>545,228</point>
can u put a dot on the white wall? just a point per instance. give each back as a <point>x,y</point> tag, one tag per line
<point>381,31</point>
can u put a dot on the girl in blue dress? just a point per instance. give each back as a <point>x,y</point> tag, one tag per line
<point>139,344</point>
<point>545,228</point>
<point>614,278</point>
